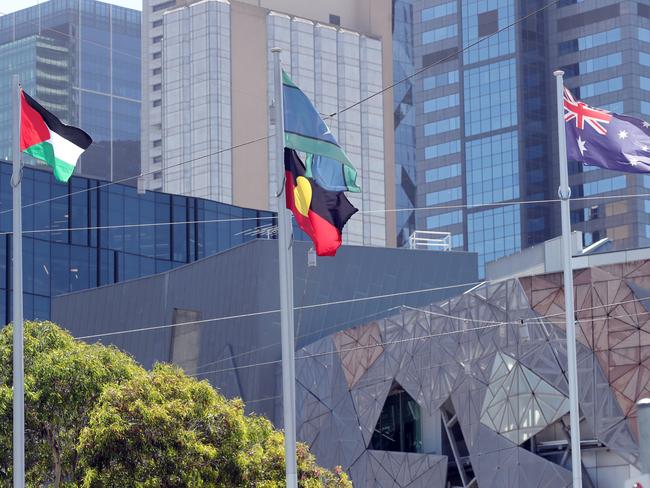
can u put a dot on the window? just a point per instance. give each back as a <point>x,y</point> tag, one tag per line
<point>443,79</point>
<point>441,103</point>
<point>644,83</point>
<point>442,173</point>
<point>157,143</point>
<point>604,186</point>
<point>399,425</point>
<point>157,175</point>
<point>644,58</point>
<point>441,126</point>
<point>157,55</point>
<point>157,71</point>
<point>438,11</point>
<point>157,87</point>
<point>335,19</point>
<point>444,196</point>
<point>157,23</point>
<point>157,39</point>
<point>439,34</point>
<point>589,17</point>
<point>595,64</point>
<point>593,40</point>
<point>488,23</point>
<point>644,34</point>
<point>163,6</point>
<point>157,160</point>
<point>600,87</point>
<point>443,149</point>
<point>157,103</point>
<point>444,219</point>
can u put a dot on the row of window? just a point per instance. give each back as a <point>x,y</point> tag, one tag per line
<point>595,64</point>
<point>644,34</point>
<point>600,87</point>
<point>440,126</point>
<point>438,11</point>
<point>443,196</point>
<point>603,186</point>
<point>644,82</point>
<point>437,150</point>
<point>441,220</point>
<point>443,173</point>
<point>439,34</point>
<point>589,41</point>
<point>441,103</point>
<point>443,79</point>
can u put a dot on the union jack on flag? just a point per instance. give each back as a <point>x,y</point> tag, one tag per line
<point>597,137</point>
<point>581,113</point>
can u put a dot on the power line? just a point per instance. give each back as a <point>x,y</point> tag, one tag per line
<point>266,312</point>
<point>528,321</point>
<point>446,58</point>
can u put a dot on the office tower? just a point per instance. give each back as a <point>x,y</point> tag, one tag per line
<point>81,60</point>
<point>207,75</point>
<point>486,126</point>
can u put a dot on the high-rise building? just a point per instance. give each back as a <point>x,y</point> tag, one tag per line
<point>81,60</point>
<point>207,75</point>
<point>485,120</point>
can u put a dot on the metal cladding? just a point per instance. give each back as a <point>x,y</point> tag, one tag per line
<point>497,355</point>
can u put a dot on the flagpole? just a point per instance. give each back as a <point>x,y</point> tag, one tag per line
<point>17,252</point>
<point>286,288</point>
<point>565,194</point>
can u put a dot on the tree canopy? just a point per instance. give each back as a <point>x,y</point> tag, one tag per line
<point>95,418</point>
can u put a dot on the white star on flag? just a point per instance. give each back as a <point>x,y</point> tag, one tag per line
<point>582,145</point>
<point>622,134</point>
<point>646,124</point>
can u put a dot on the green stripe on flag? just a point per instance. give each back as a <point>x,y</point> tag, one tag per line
<point>326,149</point>
<point>45,152</point>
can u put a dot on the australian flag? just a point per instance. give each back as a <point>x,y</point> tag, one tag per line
<point>597,137</point>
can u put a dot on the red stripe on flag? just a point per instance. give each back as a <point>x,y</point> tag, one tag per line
<point>33,129</point>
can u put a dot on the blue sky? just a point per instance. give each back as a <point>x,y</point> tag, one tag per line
<point>8,6</point>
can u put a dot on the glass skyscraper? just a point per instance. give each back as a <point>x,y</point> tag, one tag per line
<point>485,128</point>
<point>81,60</point>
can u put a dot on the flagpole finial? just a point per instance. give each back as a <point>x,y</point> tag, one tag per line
<point>558,72</point>
<point>276,49</point>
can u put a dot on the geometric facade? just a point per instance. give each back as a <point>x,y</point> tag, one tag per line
<point>518,403</point>
<point>495,357</point>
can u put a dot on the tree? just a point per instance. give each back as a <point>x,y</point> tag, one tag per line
<point>166,429</point>
<point>63,381</point>
<point>95,418</point>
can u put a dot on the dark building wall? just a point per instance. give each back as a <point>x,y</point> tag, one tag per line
<point>241,356</point>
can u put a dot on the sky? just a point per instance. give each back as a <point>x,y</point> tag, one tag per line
<point>8,6</point>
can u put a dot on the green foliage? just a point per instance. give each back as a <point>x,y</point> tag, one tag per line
<point>63,380</point>
<point>94,418</point>
<point>167,429</point>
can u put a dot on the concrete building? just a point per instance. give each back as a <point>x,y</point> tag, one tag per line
<point>465,389</point>
<point>485,122</point>
<point>206,84</point>
<point>241,356</point>
<point>81,61</point>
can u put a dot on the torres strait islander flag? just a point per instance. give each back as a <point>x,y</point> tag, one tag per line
<point>321,213</point>
<point>43,136</point>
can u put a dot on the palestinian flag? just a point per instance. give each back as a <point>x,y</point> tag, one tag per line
<point>321,213</point>
<point>44,137</point>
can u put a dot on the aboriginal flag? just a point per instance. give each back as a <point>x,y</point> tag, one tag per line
<point>321,213</point>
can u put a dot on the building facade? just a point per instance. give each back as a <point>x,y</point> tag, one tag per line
<point>232,298</point>
<point>85,234</point>
<point>207,75</point>
<point>81,60</point>
<point>485,126</point>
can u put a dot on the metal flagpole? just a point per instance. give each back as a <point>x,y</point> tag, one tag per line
<point>565,194</point>
<point>17,250</point>
<point>286,288</point>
